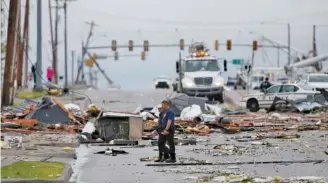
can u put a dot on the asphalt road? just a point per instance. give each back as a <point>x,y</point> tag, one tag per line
<point>124,100</point>
<point>128,168</point>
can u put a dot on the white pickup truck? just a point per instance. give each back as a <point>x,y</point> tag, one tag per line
<point>257,101</point>
<point>317,80</point>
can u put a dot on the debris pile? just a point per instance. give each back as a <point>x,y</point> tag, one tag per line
<point>47,116</point>
<point>229,120</point>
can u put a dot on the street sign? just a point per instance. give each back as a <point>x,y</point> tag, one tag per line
<point>237,61</point>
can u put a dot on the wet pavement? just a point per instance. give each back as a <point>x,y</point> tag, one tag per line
<point>90,167</point>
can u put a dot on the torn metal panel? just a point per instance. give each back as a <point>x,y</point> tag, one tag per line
<point>51,111</point>
<point>307,104</point>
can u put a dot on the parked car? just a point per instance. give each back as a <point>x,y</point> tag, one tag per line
<point>231,82</point>
<point>257,101</point>
<point>162,82</point>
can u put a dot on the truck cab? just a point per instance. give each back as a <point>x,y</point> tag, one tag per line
<point>200,74</point>
<point>317,80</point>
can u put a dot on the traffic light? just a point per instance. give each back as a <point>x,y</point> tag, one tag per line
<point>143,55</point>
<point>114,45</point>
<point>146,46</point>
<point>181,44</point>
<point>229,44</point>
<point>255,45</point>
<point>248,68</point>
<point>88,62</point>
<point>130,45</point>
<point>116,56</point>
<point>216,45</point>
<point>94,56</point>
<point>225,65</point>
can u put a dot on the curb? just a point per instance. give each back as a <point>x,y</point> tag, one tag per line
<point>64,178</point>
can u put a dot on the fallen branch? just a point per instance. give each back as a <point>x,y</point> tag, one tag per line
<point>240,163</point>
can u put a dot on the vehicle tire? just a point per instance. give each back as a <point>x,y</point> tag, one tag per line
<point>244,87</point>
<point>235,87</point>
<point>174,87</point>
<point>219,98</point>
<point>253,105</point>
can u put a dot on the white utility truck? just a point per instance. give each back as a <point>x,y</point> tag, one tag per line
<point>200,74</point>
<point>316,80</point>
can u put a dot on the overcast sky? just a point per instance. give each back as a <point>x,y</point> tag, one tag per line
<point>167,21</point>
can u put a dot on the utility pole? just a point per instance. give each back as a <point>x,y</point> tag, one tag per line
<point>84,51</point>
<point>20,55</point>
<point>82,66</point>
<point>3,44</point>
<point>55,50</point>
<point>39,47</point>
<point>52,43</point>
<point>18,65</point>
<point>73,60</point>
<point>314,47</point>
<point>65,38</point>
<point>6,97</point>
<point>95,79</point>
<point>26,40</point>
<point>278,57</point>
<point>289,54</point>
<point>90,77</point>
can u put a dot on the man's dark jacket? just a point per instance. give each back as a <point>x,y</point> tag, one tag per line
<point>265,85</point>
<point>159,128</point>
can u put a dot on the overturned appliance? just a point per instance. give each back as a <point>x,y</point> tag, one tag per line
<point>112,125</point>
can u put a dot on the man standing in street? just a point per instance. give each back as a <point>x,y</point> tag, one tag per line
<point>162,155</point>
<point>33,70</point>
<point>265,85</point>
<point>167,132</point>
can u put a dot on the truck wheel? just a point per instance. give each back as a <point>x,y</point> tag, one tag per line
<point>219,98</point>
<point>174,86</point>
<point>253,105</point>
<point>235,87</point>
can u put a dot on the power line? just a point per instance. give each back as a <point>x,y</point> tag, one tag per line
<point>202,23</point>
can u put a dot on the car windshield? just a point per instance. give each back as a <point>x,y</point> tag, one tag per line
<point>201,65</point>
<point>318,78</point>
<point>257,78</point>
